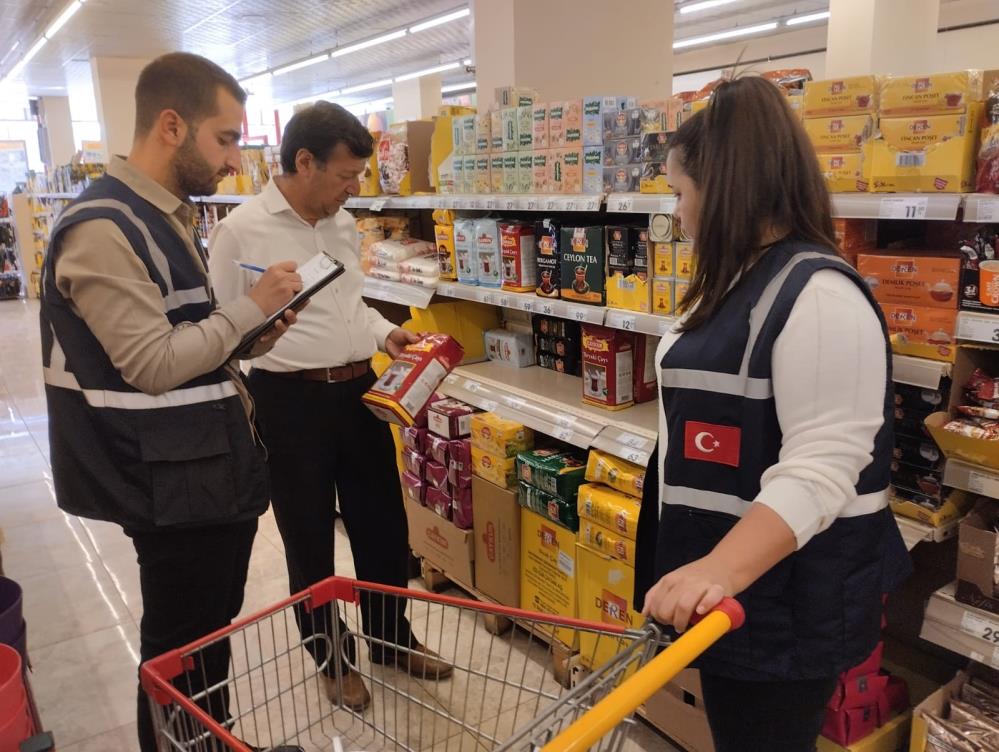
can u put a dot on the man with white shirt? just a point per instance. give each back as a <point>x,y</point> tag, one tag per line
<point>323,443</point>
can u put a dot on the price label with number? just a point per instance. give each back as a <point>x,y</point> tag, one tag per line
<point>490,203</point>
<point>988,210</point>
<point>510,204</point>
<point>527,305</point>
<point>532,204</point>
<point>514,402</point>
<point>488,298</point>
<point>628,323</point>
<point>977,327</point>
<point>550,204</point>
<point>563,434</point>
<point>980,483</point>
<point>904,207</point>
<point>570,205</point>
<point>378,204</point>
<point>488,405</point>
<point>981,627</point>
<point>625,204</point>
<point>664,326</point>
<point>634,456</point>
<point>504,301</point>
<point>580,314</point>
<point>564,420</point>
<point>633,441</point>
<point>548,309</point>
<point>473,386</point>
<point>592,204</point>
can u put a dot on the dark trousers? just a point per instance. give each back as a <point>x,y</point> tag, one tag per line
<point>192,583</point>
<point>765,716</point>
<point>325,446</point>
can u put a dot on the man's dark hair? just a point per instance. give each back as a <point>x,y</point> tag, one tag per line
<point>319,128</point>
<point>185,83</point>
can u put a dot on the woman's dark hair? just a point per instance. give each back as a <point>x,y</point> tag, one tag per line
<point>756,172</point>
<point>319,128</point>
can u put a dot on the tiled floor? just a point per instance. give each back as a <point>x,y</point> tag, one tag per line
<point>82,604</point>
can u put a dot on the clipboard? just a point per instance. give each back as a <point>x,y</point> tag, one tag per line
<point>316,273</point>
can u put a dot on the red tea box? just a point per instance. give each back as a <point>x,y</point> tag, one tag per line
<point>608,367</point>
<point>450,418</point>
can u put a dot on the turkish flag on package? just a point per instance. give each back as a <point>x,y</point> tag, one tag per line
<point>708,442</point>
<point>404,390</point>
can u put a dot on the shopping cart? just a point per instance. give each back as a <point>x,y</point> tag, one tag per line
<point>507,691</point>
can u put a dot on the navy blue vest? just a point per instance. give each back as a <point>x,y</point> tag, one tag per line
<point>186,457</point>
<point>817,612</point>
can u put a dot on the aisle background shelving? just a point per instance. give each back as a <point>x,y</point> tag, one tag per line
<point>963,629</point>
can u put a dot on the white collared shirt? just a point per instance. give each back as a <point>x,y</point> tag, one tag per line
<point>337,327</point>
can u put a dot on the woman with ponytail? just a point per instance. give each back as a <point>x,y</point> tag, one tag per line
<point>771,479</point>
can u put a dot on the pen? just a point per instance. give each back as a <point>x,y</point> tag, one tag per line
<point>251,267</point>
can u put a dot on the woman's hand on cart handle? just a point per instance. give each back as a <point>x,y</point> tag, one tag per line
<point>692,590</point>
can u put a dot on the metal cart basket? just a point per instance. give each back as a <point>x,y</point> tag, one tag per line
<point>518,681</point>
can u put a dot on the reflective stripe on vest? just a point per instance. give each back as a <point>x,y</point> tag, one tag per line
<point>140,400</point>
<point>712,501</point>
<point>173,298</point>
<point>721,383</point>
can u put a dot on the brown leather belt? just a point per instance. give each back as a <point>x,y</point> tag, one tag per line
<point>333,375</point>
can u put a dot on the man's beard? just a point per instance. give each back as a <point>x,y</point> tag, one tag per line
<point>192,173</point>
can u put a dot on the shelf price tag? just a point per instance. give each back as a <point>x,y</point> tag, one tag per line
<point>628,323</point>
<point>378,204</point>
<point>904,207</point>
<point>983,484</point>
<point>633,456</point>
<point>564,434</point>
<point>565,420</point>
<point>473,386</point>
<point>490,203</point>
<point>988,210</point>
<point>510,204</point>
<point>592,204</point>
<point>488,298</point>
<point>980,626</point>
<point>550,204</point>
<point>625,204</point>
<point>513,402</point>
<point>666,205</point>
<point>977,328</point>
<point>569,205</point>
<point>548,309</point>
<point>664,326</point>
<point>633,441</point>
<point>580,314</point>
<point>527,305</point>
<point>488,405</point>
<point>504,301</point>
<point>532,204</point>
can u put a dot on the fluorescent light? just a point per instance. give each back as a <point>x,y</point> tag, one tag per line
<point>302,64</point>
<point>742,32</point>
<point>428,71</point>
<point>340,51</point>
<point>795,20</point>
<point>10,52</point>
<point>19,65</point>
<point>258,79</point>
<point>706,5</point>
<point>467,86</point>
<point>467,61</point>
<point>63,18</point>
<point>440,20</point>
<point>366,87</point>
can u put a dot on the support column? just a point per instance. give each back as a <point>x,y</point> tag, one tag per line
<point>881,36</point>
<point>417,98</point>
<point>565,49</point>
<point>54,116</point>
<point>114,89</point>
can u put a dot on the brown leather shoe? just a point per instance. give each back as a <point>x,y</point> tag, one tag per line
<point>354,695</point>
<point>420,661</point>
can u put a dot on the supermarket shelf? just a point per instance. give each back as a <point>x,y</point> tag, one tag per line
<point>397,292</point>
<point>981,207</point>
<point>968,631</point>
<point>640,203</point>
<point>939,206</point>
<point>919,371</point>
<point>563,309</point>
<point>978,327</point>
<point>54,195</point>
<point>973,478</point>
<point>914,532</point>
<point>551,403</point>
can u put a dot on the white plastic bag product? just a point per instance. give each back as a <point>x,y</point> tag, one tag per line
<point>420,280</point>
<point>465,251</point>
<point>400,250</point>
<point>386,274</point>
<point>428,266</point>
<point>387,264</point>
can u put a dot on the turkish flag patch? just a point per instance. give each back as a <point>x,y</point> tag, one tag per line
<point>708,442</point>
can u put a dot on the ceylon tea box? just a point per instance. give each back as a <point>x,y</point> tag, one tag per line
<point>583,264</point>
<point>839,133</point>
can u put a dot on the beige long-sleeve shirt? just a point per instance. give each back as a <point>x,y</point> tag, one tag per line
<point>109,287</point>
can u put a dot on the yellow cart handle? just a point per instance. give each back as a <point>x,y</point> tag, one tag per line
<point>623,701</point>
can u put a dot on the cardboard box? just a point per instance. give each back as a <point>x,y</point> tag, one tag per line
<point>496,130</point>
<point>470,170</point>
<point>496,167</point>
<point>583,263</point>
<point>525,171</point>
<point>572,122</point>
<point>662,260</point>
<point>593,169</point>
<point>466,258</point>
<point>495,468</point>
<point>444,238</point>
<point>593,121</point>
<point>608,367</point>
<point>855,235</point>
<point>938,703</point>
<point>609,508</point>
<point>655,178</point>
<point>556,124</point>
<point>510,348</point>
<point>846,172</point>
<point>678,711</point>
<point>922,331</point>
<point>539,120</point>
<point>605,588</point>
<point>623,178</point>
<point>977,548</point>
<point>840,96</point>
<point>548,570</point>
<point>547,235</point>
<point>558,510</point>
<point>441,543</point>
<point>450,418</point>
<point>940,92</point>
<point>662,297</point>
<point>917,279</point>
<point>840,133</point>
<point>556,170</point>
<point>930,153</point>
<point>511,172</point>
<point>404,157</point>
<point>554,471</point>
<point>496,523</point>
<point>953,507</point>
<point>975,451</point>
<point>511,133</point>
<point>525,128</point>
<point>539,170</point>
<point>571,159</point>
<point>683,260</point>
<point>514,96</point>
<point>631,292</point>
<point>520,265</point>
<point>483,175</point>
<point>483,132</point>
<point>607,541</point>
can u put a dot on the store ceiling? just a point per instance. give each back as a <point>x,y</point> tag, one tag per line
<point>250,36</point>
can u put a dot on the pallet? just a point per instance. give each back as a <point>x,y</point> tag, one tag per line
<point>564,658</point>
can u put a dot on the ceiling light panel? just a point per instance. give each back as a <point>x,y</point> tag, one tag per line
<point>808,18</point>
<point>705,5</point>
<point>723,35</point>
<point>431,23</point>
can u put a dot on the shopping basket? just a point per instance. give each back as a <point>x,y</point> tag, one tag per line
<point>503,693</point>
